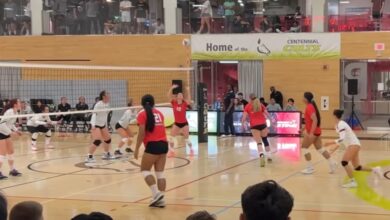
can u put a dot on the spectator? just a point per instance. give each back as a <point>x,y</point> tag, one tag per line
<point>28,210</point>
<point>240,97</point>
<point>103,14</point>
<point>64,107</point>
<point>201,215</point>
<point>278,96</point>
<point>25,108</point>
<point>158,27</point>
<point>298,14</point>
<point>273,106</point>
<point>295,28</point>
<point>10,9</point>
<point>3,207</point>
<point>229,109</point>
<point>60,8</point>
<point>125,9</point>
<point>266,200</point>
<point>12,29</point>
<point>92,8</point>
<point>206,14</point>
<point>38,107</point>
<point>262,101</point>
<point>81,18</point>
<point>27,10</point>
<point>240,25</point>
<point>290,106</point>
<point>238,106</point>
<point>265,25</point>
<point>110,27</point>
<point>26,28</point>
<point>92,216</point>
<point>217,104</point>
<point>141,14</point>
<point>229,6</point>
<point>81,106</point>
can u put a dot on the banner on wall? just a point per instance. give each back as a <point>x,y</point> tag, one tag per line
<point>265,46</point>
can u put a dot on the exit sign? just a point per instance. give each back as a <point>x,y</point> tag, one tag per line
<point>379,46</point>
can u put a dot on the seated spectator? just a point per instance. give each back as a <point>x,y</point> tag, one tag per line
<point>25,108</point>
<point>81,106</point>
<point>38,107</point>
<point>64,107</point>
<point>158,27</point>
<point>201,215</point>
<point>295,27</point>
<point>273,106</point>
<point>240,25</point>
<point>3,207</point>
<point>290,105</point>
<point>240,97</point>
<point>92,216</point>
<point>266,200</point>
<point>28,210</point>
<point>265,25</point>
<point>262,101</point>
<point>110,27</point>
<point>237,105</point>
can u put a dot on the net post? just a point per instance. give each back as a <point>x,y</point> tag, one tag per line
<point>202,113</point>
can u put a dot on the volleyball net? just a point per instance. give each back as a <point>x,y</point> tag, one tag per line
<point>46,84</point>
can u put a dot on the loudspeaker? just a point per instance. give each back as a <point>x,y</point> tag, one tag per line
<point>178,89</point>
<point>352,87</point>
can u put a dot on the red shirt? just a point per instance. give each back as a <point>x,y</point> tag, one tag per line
<point>158,134</point>
<point>310,110</point>
<point>179,111</point>
<point>255,118</point>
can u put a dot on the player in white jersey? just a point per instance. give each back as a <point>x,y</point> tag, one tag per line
<point>123,129</point>
<point>352,144</point>
<point>40,124</point>
<point>7,128</point>
<point>99,129</point>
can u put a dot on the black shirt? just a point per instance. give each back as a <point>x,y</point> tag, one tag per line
<point>228,100</point>
<point>278,96</point>
<point>81,107</point>
<point>141,9</point>
<point>64,108</point>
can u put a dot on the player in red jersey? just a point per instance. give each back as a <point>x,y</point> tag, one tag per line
<point>312,134</point>
<point>258,114</point>
<point>179,105</point>
<point>152,134</point>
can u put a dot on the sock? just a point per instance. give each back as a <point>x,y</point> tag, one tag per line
<point>154,189</point>
<point>34,143</point>
<point>47,141</point>
<point>309,164</point>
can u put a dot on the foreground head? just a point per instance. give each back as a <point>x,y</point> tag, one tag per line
<point>26,210</point>
<point>14,104</point>
<point>266,200</point>
<point>201,215</point>
<point>338,114</point>
<point>3,207</point>
<point>104,96</point>
<point>308,97</point>
<point>92,216</point>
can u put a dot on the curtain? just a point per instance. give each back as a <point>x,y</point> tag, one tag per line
<point>250,78</point>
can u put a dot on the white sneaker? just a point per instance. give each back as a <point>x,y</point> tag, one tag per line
<point>90,160</point>
<point>49,146</point>
<point>332,167</point>
<point>108,156</point>
<point>308,171</point>
<point>350,184</point>
<point>159,196</point>
<point>378,171</point>
<point>160,204</point>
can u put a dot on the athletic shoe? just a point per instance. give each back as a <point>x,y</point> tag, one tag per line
<point>378,171</point>
<point>350,184</point>
<point>332,167</point>
<point>262,160</point>
<point>33,147</point>
<point>160,204</point>
<point>2,177</point>
<point>157,198</point>
<point>108,156</point>
<point>90,160</point>
<point>14,172</point>
<point>49,146</point>
<point>118,153</point>
<point>129,150</point>
<point>308,171</point>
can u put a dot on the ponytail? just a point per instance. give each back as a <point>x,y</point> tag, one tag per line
<point>310,99</point>
<point>148,104</point>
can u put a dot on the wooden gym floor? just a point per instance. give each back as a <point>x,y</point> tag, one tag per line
<point>211,178</point>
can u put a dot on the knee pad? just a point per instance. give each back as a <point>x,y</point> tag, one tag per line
<point>108,141</point>
<point>10,157</point>
<point>321,150</point>
<point>125,140</point>
<point>2,158</point>
<point>358,168</point>
<point>344,163</point>
<point>97,143</point>
<point>160,175</point>
<point>34,136</point>
<point>265,141</point>
<point>48,134</point>
<point>305,151</point>
<point>146,173</point>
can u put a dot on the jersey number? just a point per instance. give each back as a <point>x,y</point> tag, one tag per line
<point>157,119</point>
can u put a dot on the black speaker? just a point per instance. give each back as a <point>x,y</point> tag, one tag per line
<point>178,89</point>
<point>352,87</point>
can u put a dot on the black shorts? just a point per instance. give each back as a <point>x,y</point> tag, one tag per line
<point>181,125</point>
<point>157,147</point>
<point>38,129</point>
<point>259,127</point>
<point>100,127</point>
<point>3,137</point>
<point>117,126</point>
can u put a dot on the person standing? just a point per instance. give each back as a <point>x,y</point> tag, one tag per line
<point>92,9</point>
<point>141,14</point>
<point>277,95</point>
<point>229,15</point>
<point>206,14</point>
<point>228,104</point>
<point>125,9</point>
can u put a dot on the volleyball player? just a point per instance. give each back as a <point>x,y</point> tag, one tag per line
<point>7,128</point>
<point>152,134</point>
<point>257,114</point>
<point>99,129</point>
<point>123,129</point>
<point>312,134</point>
<point>179,105</point>
<point>39,124</point>
<point>352,144</point>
